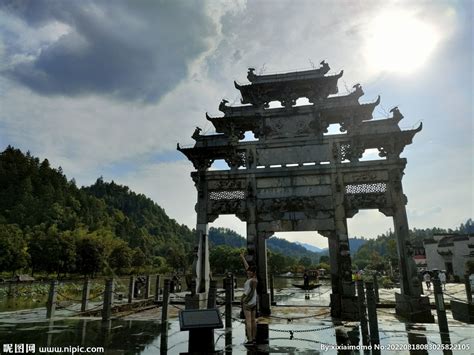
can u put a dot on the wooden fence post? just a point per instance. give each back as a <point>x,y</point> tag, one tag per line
<point>272,291</point>
<point>164,317</point>
<point>372,310</point>
<point>376,288</point>
<point>147,287</point>
<point>131,288</point>
<point>212,294</point>
<point>108,299</point>
<point>51,305</point>
<point>467,284</point>
<point>441,312</point>
<point>362,312</point>
<point>86,288</point>
<point>228,303</point>
<point>157,288</point>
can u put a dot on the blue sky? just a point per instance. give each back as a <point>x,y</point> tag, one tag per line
<point>107,89</point>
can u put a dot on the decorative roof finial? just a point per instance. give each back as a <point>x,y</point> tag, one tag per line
<point>396,114</point>
<point>222,106</point>
<point>358,90</point>
<point>324,67</point>
<point>251,74</point>
<point>197,133</point>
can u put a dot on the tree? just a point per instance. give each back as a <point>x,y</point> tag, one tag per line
<point>138,258</point>
<point>51,250</point>
<point>324,259</point>
<point>90,256</point>
<point>120,258</point>
<point>13,248</point>
<point>278,263</point>
<point>305,262</point>
<point>224,258</point>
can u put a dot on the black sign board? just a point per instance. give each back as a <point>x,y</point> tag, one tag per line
<point>200,319</point>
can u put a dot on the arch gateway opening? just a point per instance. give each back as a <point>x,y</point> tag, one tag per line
<point>296,177</point>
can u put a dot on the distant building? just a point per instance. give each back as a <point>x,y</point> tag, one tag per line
<point>23,278</point>
<point>449,252</point>
<point>419,256</point>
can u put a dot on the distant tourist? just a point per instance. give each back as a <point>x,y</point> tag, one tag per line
<point>427,279</point>
<point>471,281</point>
<point>442,279</point>
<point>249,302</point>
<point>305,280</point>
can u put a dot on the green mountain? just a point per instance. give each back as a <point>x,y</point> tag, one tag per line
<point>225,236</point>
<point>376,252</point>
<point>49,225</point>
<point>102,227</point>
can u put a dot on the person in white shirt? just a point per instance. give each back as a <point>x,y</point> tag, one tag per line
<point>442,279</point>
<point>249,302</point>
<point>427,279</point>
<point>471,281</point>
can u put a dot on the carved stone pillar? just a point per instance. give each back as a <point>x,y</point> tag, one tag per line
<point>343,299</point>
<point>201,267</point>
<point>262,274</point>
<point>409,303</point>
<point>257,250</point>
<point>257,255</point>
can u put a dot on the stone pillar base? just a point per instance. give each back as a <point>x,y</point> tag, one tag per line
<point>414,309</point>
<point>196,301</point>
<point>463,311</point>
<point>264,304</point>
<point>344,307</point>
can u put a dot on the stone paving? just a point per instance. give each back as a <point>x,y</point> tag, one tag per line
<point>303,326</point>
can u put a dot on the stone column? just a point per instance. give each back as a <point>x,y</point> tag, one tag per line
<point>257,249</point>
<point>201,267</point>
<point>202,263</point>
<point>409,303</point>
<point>343,299</point>
<point>262,274</point>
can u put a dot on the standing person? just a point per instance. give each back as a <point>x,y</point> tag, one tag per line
<point>471,281</point>
<point>442,279</point>
<point>427,279</point>
<point>249,302</point>
<point>306,280</point>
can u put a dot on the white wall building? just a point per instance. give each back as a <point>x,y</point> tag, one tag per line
<point>449,252</point>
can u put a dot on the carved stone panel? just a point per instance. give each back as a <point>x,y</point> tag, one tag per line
<point>227,206</point>
<point>288,127</point>
<point>296,225</point>
<point>365,201</point>
<point>226,184</point>
<point>292,204</point>
<point>296,154</point>
<point>366,176</point>
<point>298,191</point>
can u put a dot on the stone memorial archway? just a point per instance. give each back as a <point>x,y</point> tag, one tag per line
<point>295,177</point>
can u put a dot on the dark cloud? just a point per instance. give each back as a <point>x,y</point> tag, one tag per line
<point>133,50</point>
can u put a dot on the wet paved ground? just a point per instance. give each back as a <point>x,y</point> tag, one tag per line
<point>305,327</point>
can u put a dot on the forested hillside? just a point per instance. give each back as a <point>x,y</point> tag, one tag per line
<point>49,225</point>
<point>225,236</point>
<point>375,253</point>
<point>283,255</point>
<point>104,227</point>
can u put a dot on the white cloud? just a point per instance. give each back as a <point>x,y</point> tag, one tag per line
<point>90,133</point>
<point>170,185</point>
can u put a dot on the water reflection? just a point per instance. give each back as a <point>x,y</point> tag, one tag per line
<point>124,337</point>
<point>416,336</point>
